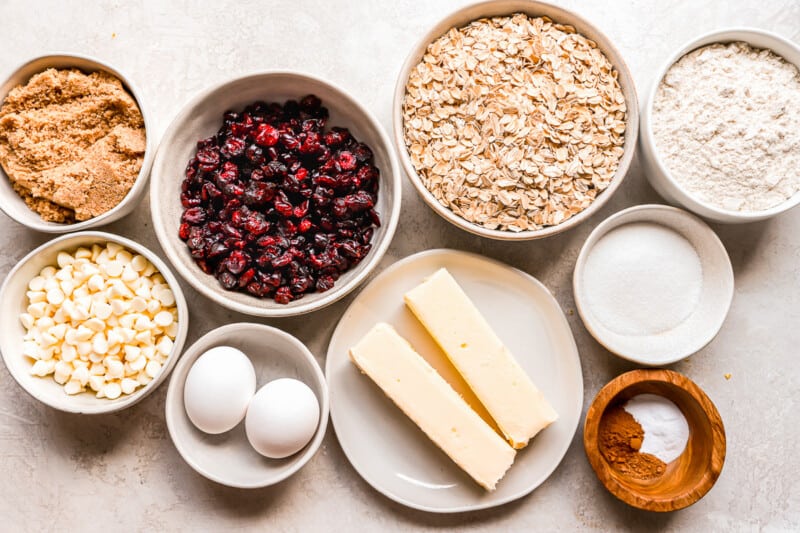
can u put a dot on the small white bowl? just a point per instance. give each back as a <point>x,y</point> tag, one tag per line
<point>715,298</point>
<point>202,117</point>
<point>229,458</point>
<point>495,8</point>
<point>12,304</point>
<point>657,172</point>
<point>14,206</point>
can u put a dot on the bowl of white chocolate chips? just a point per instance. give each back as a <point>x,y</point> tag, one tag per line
<point>91,322</point>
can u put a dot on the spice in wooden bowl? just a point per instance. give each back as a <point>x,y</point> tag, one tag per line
<point>615,453</point>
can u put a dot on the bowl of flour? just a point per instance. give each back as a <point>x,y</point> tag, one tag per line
<point>720,127</point>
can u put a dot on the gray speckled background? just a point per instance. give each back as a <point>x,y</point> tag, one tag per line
<point>66,472</point>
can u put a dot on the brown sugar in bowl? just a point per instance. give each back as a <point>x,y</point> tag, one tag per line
<point>12,203</point>
<point>686,479</point>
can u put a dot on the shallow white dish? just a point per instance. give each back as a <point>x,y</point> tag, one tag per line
<point>202,117</point>
<point>229,458</point>
<point>656,171</point>
<point>12,304</point>
<point>495,8</point>
<point>386,448</point>
<point>701,326</point>
<point>13,205</point>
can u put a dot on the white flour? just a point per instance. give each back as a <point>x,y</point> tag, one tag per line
<point>726,121</point>
<point>666,431</point>
<point>642,279</point>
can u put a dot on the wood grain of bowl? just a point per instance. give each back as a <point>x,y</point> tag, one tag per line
<point>686,479</point>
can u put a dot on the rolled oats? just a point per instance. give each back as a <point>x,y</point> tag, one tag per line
<point>514,123</point>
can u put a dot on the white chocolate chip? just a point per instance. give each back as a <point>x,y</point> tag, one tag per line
<point>26,319</point>
<point>82,375</point>
<point>139,363</point>
<point>129,274</point>
<point>83,253</point>
<point>129,385</point>
<point>104,319</point>
<point>112,390</point>
<point>153,368</point>
<point>101,310</point>
<point>132,353</point>
<point>95,324</point>
<point>113,249</point>
<point>37,310</point>
<point>36,284</point>
<point>96,283</point>
<point>73,386</point>
<point>96,383</point>
<point>84,349</point>
<point>115,368</point>
<point>139,263</point>
<point>68,353</point>
<point>42,368</point>
<point>164,346</point>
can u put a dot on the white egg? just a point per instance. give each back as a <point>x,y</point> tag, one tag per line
<point>218,389</point>
<point>282,418</point>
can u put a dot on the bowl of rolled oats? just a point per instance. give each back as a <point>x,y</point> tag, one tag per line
<point>515,120</point>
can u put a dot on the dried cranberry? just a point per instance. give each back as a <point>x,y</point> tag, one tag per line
<point>233,147</point>
<point>183,231</point>
<point>346,160</point>
<point>208,159</point>
<point>236,262</point>
<point>194,215</point>
<point>283,295</point>
<point>274,205</point>
<point>267,135</point>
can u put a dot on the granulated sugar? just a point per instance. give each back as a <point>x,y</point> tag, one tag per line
<point>642,279</point>
<point>726,121</point>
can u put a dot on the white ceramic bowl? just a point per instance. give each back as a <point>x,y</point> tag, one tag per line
<point>705,321</point>
<point>202,117</point>
<point>229,458</point>
<point>11,203</point>
<point>656,171</point>
<point>13,303</point>
<point>494,8</point>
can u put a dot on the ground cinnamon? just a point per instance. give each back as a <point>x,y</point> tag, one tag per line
<point>620,438</point>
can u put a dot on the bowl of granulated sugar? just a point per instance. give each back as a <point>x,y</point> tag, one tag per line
<point>720,127</point>
<point>653,284</point>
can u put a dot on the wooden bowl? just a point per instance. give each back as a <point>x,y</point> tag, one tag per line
<point>686,479</point>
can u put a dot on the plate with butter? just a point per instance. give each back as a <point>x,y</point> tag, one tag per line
<point>455,382</point>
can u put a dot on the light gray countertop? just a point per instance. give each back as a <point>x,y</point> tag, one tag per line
<point>120,472</point>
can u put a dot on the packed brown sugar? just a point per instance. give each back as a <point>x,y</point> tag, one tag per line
<point>71,143</point>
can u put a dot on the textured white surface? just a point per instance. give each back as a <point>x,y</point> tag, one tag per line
<point>67,472</point>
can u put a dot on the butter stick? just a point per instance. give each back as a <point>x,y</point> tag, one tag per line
<point>427,399</point>
<point>516,404</point>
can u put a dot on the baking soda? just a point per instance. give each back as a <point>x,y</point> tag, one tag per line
<point>666,431</point>
<point>642,279</point>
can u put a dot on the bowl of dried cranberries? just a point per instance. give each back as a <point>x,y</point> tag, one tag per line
<point>275,194</point>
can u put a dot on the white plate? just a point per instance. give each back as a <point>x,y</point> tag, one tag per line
<point>386,448</point>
